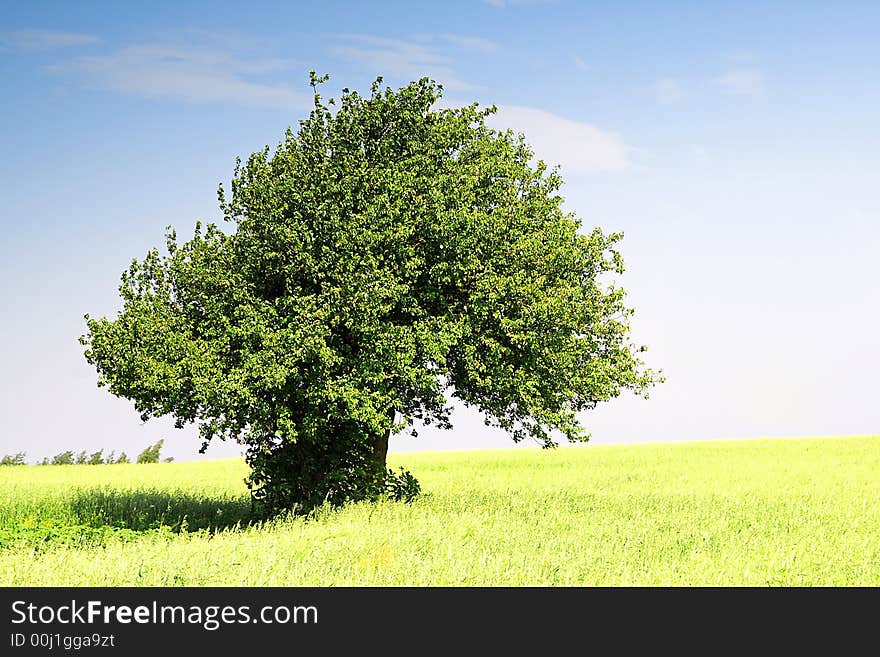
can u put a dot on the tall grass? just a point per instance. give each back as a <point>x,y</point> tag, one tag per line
<point>759,512</point>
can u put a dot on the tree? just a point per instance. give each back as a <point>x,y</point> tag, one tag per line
<point>96,458</point>
<point>64,458</point>
<point>151,453</point>
<point>123,458</point>
<point>388,255</point>
<point>82,458</point>
<point>13,459</point>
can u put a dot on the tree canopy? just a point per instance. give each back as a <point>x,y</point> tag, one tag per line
<point>387,256</point>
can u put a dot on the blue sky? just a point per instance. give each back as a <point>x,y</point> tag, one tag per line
<point>735,145</point>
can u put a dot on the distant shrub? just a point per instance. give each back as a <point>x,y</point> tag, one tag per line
<point>64,458</point>
<point>13,459</point>
<point>151,453</point>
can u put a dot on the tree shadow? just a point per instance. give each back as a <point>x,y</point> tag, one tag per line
<point>144,510</point>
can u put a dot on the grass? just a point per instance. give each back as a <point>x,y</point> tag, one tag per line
<point>793,512</point>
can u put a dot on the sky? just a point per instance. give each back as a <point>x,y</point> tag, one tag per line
<point>735,144</point>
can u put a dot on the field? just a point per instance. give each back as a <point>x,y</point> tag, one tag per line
<point>796,512</point>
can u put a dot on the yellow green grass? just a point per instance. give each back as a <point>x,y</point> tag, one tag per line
<point>794,512</point>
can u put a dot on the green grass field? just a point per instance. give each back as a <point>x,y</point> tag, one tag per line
<point>754,512</point>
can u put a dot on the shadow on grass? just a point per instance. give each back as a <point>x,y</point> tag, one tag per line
<point>144,510</point>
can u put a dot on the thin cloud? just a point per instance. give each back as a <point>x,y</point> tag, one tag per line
<point>187,73</point>
<point>698,154</point>
<point>580,63</point>
<point>579,148</point>
<point>742,82</point>
<point>740,56</point>
<point>667,90</point>
<point>478,44</point>
<point>36,40</point>
<point>501,4</point>
<point>408,58</point>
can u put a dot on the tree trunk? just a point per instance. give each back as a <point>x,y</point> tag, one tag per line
<point>380,446</point>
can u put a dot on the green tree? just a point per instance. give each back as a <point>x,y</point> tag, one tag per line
<point>14,459</point>
<point>96,458</point>
<point>123,458</point>
<point>151,453</point>
<point>64,458</point>
<point>82,458</point>
<point>388,255</point>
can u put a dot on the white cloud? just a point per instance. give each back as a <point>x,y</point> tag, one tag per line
<point>43,40</point>
<point>740,56</point>
<point>579,148</point>
<point>188,73</point>
<point>469,43</point>
<point>742,82</point>
<point>426,56</point>
<point>699,154</point>
<point>667,90</point>
<point>580,63</point>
